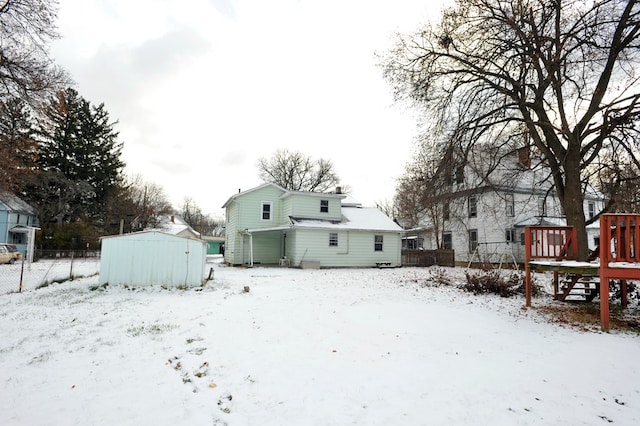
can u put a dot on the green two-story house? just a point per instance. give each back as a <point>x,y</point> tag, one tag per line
<point>270,225</point>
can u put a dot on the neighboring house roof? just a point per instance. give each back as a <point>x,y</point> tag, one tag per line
<point>14,203</point>
<point>176,226</point>
<point>548,221</point>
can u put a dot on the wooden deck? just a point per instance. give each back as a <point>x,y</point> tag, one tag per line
<point>555,249</point>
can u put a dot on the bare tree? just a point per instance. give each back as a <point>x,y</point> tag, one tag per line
<point>425,189</point>
<point>295,171</point>
<point>203,223</point>
<point>148,200</point>
<point>565,71</point>
<point>26,70</point>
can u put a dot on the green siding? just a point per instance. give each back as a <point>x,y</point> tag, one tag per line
<point>355,248</point>
<point>301,205</point>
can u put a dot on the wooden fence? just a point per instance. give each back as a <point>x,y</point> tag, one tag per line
<point>428,258</point>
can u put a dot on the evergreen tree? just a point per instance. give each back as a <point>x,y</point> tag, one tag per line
<point>18,148</point>
<point>80,153</point>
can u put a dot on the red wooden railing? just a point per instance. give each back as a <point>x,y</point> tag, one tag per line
<point>619,256</point>
<point>550,242</point>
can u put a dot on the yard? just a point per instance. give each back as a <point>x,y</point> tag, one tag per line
<point>277,346</point>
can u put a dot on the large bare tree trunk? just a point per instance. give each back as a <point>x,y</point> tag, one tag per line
<point>572,201</point>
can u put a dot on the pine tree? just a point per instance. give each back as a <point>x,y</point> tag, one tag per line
<point>80,153</point>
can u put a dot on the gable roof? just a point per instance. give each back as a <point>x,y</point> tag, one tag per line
<point>264,185</point>
<point>14,203</point>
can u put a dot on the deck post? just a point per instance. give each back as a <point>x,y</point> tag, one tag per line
<point>527,255</point>
<point>605,247</point>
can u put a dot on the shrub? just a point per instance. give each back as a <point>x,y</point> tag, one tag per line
<point>493,282</point>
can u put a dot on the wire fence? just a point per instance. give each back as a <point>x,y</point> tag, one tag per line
<point>49,268</point>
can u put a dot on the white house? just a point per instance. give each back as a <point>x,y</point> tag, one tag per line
<point>271,225</point>
<point>152,257</point>
<point>488,203</point>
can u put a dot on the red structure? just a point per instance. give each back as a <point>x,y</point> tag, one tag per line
<point>554,249</point>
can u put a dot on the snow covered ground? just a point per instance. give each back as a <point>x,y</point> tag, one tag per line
<point>305,347</point>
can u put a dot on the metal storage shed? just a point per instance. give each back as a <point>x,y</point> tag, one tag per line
<point>152,257</point>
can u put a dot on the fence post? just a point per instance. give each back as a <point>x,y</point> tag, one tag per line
<point>21,275</point>
<point>71,267</point>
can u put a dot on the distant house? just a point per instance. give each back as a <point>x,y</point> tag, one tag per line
<point>487,204</point>
<point>215,245</point>
<point>271,225</point>
<point>152,258</point>
<point>174,225</point>
<point>18,223</point>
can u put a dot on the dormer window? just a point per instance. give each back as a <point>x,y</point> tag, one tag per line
<point>324,206</point>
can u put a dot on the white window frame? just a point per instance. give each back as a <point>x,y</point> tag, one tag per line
<point>510,205</point>
<point>270,211</point>
<point>510,235</point>
<point>472,204</point>
<point>333,239</point>
<point>473,243</point>
<point>378,242</point>
<point>324,206</point>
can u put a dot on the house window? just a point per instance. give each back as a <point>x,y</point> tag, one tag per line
<point>542,206</point>
<point>412,243</point>
<point>447,240</point>
<point>511,210</point>
<point>596,241</point>
<point>522,238</point>
<point>266,211</point>
<point>18,219</point>
<point>377,242</point>
<point>473,206</point>
<point>333,239</point>
<point>510,235</point>
<point>324,206</point>
<point>556,239</point>
<point>460,174</point>
<point>473,240</point>
<point>446,212</point>
<point>592,209</point>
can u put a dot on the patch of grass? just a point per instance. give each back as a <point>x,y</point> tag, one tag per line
<point>587,316</point>
<point>153,329</point>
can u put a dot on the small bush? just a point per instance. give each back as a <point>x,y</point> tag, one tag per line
<point>492,282</point>
<point>438,277</point>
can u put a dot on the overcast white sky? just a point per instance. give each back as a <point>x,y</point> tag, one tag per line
<point>203,88</point>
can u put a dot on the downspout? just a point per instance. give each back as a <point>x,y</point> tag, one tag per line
<point>250,250</point>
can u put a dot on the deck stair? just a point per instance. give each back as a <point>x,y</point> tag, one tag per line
<point>576,288</point>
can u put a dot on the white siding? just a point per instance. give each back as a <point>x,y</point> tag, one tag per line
<point>152,258</point>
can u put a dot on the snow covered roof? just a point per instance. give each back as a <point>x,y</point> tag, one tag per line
<point>548,221</point>
<point>354,218</point>
<point>14,203</point>
<point>176,226</point>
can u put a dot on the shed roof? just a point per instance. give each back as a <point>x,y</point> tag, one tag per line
<point>135,235</point>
